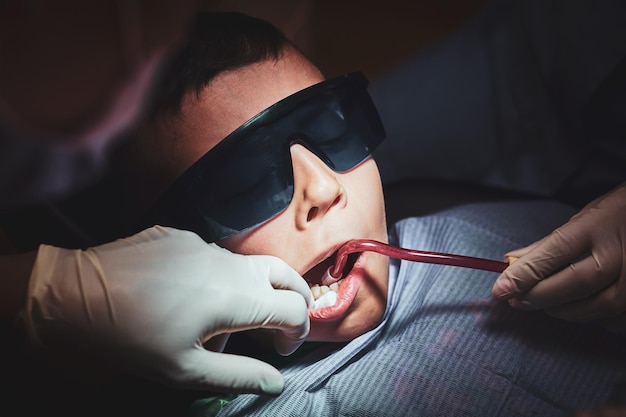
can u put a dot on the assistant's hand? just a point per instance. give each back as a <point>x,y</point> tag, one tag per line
<point>578,272</point>
<point>150,301</point>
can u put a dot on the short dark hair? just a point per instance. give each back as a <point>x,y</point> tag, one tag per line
<point>217,42</point>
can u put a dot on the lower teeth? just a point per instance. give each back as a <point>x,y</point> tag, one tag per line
<point>326,300</point>
<point>324,295</point>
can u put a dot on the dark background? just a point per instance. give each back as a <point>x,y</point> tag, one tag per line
<point>351,35</point>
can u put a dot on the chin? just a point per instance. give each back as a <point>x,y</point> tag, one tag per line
<point>350,327</point>
<point>360,305</point>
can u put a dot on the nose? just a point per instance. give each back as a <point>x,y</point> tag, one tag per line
<point>317,188</point>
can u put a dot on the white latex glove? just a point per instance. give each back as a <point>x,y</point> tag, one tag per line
<point>578,272</point>
<point>150,302</point>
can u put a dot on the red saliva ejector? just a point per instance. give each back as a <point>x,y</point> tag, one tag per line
<point>365,245</point>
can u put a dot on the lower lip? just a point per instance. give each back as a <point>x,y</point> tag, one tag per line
<point>345,296</point>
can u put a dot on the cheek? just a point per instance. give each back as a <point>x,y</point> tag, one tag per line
<point>365,193</point>
<point>270,238</point>
<point>250,242</point>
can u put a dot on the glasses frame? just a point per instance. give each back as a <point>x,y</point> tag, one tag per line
<point>177,205</point>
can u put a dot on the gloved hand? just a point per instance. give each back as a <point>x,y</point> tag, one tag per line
<point>153,299</point>
<point>578,272</point>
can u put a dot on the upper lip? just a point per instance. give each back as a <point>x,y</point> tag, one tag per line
<point>327,259</point>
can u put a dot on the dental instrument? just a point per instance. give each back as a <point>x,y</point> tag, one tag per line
<point>362,245</point>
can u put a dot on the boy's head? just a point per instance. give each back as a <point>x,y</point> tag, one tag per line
<point>269,188</point>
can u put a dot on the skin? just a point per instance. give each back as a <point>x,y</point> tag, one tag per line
<point>328,208</point>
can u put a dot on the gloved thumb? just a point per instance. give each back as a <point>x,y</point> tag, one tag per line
<point>539,260</point>
<point>212,371</point>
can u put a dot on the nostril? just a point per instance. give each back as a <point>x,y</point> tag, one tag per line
<point>311,214</point>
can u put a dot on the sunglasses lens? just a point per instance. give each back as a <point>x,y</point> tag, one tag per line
<point>252,185</point>
<point>357,132</point>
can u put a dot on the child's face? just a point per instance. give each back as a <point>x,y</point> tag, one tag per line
<point>327,209</point>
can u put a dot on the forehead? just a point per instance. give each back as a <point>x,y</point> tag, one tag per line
<point>235,96</point>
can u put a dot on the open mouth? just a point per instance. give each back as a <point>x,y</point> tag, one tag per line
<point>324,288</point>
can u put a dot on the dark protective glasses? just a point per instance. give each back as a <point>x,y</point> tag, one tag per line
<point>247,178</point>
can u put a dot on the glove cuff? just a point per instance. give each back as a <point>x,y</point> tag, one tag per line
<point>40,277</point>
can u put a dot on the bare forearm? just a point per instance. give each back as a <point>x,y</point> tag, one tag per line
<point>15,271</point>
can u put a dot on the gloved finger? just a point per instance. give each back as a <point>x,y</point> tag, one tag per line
<point>578,281</point>
<point>282,276</point>
<point>285,312</point>
<point>605,304</point>
<point>282,310</point>
<point>503,288</point>
<point>552,254</point>
<point>289,338</point>
<point>222,372</point>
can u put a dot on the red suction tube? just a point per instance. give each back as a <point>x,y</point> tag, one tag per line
<point>363,245</point>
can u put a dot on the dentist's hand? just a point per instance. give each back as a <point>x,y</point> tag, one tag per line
<point>578,272</point>
<point>150,302</point>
